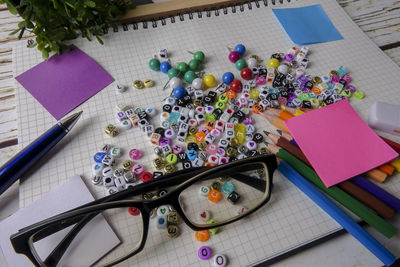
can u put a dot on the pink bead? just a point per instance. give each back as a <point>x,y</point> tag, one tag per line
<point>176,149</point>
<point>347,78</point>
<point>282,101</point>
<point>137,169</point>
<point>211,149</point>
<point>234,56</point>
<point>135,154</point>
<point>260,80</point>
<point>223,160</point>
<point>221,152</point>
<point>334,79</point>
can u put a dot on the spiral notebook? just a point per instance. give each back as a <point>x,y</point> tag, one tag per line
<point>290,219</point>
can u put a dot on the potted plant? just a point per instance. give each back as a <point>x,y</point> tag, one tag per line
<point>56,21</point>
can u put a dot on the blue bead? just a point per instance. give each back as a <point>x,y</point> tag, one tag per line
<point>165,66</point>
<point>290,104</point>
<point>191,154</point>
<point>99,156</point>
<point>227,188</point>
<point>240,49</point>
<point>179,92</point>
<point>173,117</point>
<point>227,77</point>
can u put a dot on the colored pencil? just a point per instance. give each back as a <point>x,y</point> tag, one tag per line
<point>337,214</point>
<point>350,188</point>
<point>284,115</point>
<point>380,193</point>
<point>335,192</point>
<point>392,144</point>
<point>275,121</point>
<point>377,175</point>
<point>396,164</point>
<point>291,148</point>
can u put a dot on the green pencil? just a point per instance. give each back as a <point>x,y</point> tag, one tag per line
<point>335,192</point>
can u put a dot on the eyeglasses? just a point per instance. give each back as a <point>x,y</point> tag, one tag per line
<point>204,198</point>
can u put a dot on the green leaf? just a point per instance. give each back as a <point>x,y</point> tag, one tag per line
<point>11,7</point>
<point>90,4</point>
<point>99,40</point>
<point>22,24</point>
<point>14,32</point>
<point>45,54</point>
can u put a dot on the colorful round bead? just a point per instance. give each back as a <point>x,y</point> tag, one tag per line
<point>154,64</point>
<point>240,64</point>
<point>199,55</point>
<point>135,154</point>
<point>179,92</point>
<point>227,77</point>
<point>241,49</point>
<point>204,253</point>
<point>189,76</point>
<point>209,80</point>
<point>194,65</point>
<point>246,73</point>
<point>182,67</point>
<point>172,72</point>
<point>165,66</point>
<point>236,86</point>
<point>234,56</point>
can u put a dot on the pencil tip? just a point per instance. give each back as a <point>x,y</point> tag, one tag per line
<point>279,131</point>
<point>266,143</point>
<point>266,133</point>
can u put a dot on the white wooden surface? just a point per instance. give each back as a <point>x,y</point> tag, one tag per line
<point>379,19</point>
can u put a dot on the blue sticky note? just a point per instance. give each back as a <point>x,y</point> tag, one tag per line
<point>307,25</point>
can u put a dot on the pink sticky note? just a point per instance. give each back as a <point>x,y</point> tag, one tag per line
<point>64,81</point>
<point>338,143</point>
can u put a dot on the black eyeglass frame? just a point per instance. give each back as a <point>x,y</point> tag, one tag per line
<point>22,241</point>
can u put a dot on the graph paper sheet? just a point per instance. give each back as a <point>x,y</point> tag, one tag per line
<point>289,219</point>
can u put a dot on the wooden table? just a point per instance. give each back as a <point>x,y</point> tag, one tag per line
<point>380,20</point>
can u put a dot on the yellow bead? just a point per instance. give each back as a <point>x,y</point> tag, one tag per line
<point>209,80</point>
<point>190,139</point>
<point>273,62</point>
<point>148,83</point>
<point>254,93</point>
<point>138,84</point>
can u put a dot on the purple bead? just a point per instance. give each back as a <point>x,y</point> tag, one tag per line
<point>248,120</point>
<point>204,253</point>
<point>289,57</point>
<point>164,141</point>
<point>351,88</point>
<point>291,98</point>
<point>234,56</point>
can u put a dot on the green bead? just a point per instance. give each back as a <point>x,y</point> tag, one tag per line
<point>189,76</point>
<point>171,158</point>
<point>199,55</point>
<point>194,64</point>
<point>154,64</point>
<point>223,98</point>
<point>172,72</point>
<point>213,231</point>
<point>220,105</point>
<point>346,93</point>
<point>359,94</point>
<point>210,117</point>
<point>304,97</point>
<point>240,64</point>
<point>182,67</point>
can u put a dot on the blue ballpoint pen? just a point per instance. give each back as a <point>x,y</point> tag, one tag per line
<point>13,169</point>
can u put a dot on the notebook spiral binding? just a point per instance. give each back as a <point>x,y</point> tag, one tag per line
<point>200,13</point>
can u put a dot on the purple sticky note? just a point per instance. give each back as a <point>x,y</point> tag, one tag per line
<point>65,81</point>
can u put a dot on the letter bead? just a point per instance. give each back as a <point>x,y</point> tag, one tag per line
<point>137,169</point>
<point>219,260</point>
<point>129,177</point>
<point>204,190</point>
<point>163,210</point>
<point>97,180</point>
<point>161,222</point>
<point>172,231</point>
<point>202,235</point>
<point>115,152</point>
<point>120,183</point>
<point>172,217</point>
<point>112,190</point>
<point>204,215</point>
<point>127,165</point>
<point>214,196</point>
<point>204,253</point>
<point>108,181</point>
<point>146,176</point>
<point>111,130</point>
<point>97,169</point>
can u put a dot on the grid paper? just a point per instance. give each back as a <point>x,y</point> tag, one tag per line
<point>289,219</point>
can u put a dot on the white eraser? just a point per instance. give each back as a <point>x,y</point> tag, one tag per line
<point>385,117</point>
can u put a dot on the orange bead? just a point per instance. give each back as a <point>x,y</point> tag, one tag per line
<point>257,108</point>
<point>202,235</point>
<point>210,125</point>
<point>214,196</point>
<point>316,90</point>
<point>209,164</point>
<point>230,94</point>
<point>200,136</point>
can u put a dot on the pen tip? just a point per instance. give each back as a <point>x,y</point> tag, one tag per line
<point>266,133</point>
<point>279,131</point>
<point>70,121</point>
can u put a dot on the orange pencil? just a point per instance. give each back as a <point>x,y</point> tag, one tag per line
<point>280,113</point>
<point>275,121</point>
